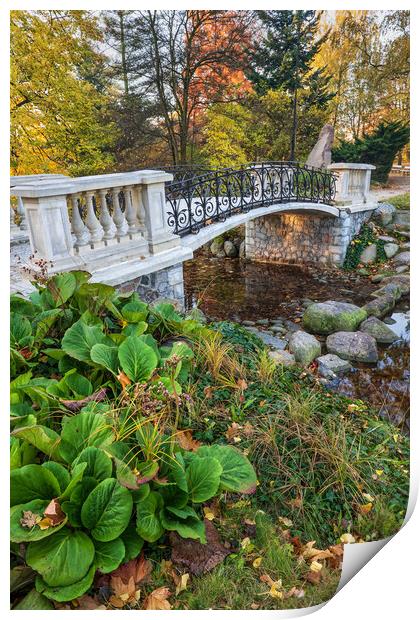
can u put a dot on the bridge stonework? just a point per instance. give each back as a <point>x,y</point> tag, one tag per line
<point>302,238</point>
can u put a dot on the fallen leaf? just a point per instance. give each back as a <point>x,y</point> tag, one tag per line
<point>137,570</point>
<point>313,577</point>
<point>54,513</point>
<point>242,384</point>
<point>123,379</point>
<point>347,539</point>
<point>186,441</point>
<point>365,508</point>
<point>257,562</point>
<point>245,542</point>
<point>254,606</point>
<point>88,602</point>
<point>208,514</point>
<point>233,431</point>
<point>193,557</point>
<point>275,586</point>
<point>158,599</point>
<point>285,521</point>
<point>315,566</point>
<point>125,593</point>
<point>180,581</point>
<point>368,497</point>
<point>29,519</point>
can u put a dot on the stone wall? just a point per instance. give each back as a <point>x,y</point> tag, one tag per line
<point>296,238</point>
<point>167,283</point>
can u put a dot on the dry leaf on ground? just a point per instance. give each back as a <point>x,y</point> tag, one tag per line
<point>158,599</point>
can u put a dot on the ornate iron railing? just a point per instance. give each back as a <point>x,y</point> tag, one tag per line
<point>195,201</point>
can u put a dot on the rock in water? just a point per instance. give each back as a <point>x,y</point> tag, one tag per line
<point>304,347</point>
<point>354,346</point>
<point>378,330</point>
<point>330,365</point>
<point>369,254</point>
<point>230,249</point>
<point>320,156</point>
<point>380,306</point>
<point>331,316</point>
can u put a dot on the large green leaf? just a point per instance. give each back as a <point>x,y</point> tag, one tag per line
<point>43,438</point>
<point>99,464</point>
<point>189,527</point>
<point>237,475</point>
<point>133,543</point>
<point>83,430</point>
<point>148,524</point>
<point>32,482</point>
<point>109,555</point>
<point>62,594</point>
<point>135,311</point>
<point>203,478</point>
<point>59,472</point>
<point>61,559</point>
<point>18,533</point>
<point>107,510</point>
<point>34,600</point>
<point>43,323</point>
<point>106,356</point>
<point>20,330</point>
<point>61,287</point>
<point>137,359</point>
<point>80,338</point>
<point>76,477</point>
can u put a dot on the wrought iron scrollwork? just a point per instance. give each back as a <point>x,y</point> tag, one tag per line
<point>196,199</point>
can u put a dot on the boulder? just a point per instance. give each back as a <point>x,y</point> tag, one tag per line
<point>402,259</point>
<point>384,214</point>
<point>405,245</point>
<point>387,239</point>
<point>230,249</point>
<point>330,365</point>
<point>331,316</point>
<point>304,347</point>
<point>391,249</point>
<point>402,281</point>
<point>391,288</point>
<point>278,329</point>
<point>378,330</point>
<point>282,357</point>
<point>320,156</point>
<point>378,277</point>
<point>216,246</point>
<point>354,346</point>
<point>380,306</point>
<point>402,268</point>
<point>369,254</point>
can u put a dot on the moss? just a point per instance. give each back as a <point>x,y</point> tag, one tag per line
<point>323,318</point>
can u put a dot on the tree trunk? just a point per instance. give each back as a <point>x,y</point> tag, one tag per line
<point>294,128</point>
<point>123,52</point>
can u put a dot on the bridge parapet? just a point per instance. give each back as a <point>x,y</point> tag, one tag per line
<point>353,183</point>
<point>87,221</point>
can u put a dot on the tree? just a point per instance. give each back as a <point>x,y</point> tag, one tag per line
<point>283,59</point>
<point>378,148</point>
<point>181,69</point>
<point>58,115</point>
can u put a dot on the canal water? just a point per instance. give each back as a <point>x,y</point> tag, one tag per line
<point>237,290</point>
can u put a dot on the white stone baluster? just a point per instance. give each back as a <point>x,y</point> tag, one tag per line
<point>130,211</point>
<point>21,212</point>
<point>137,202</point>
<point>106,219</point>
<point>95,229</point>
<point>78,227</point>
<point>118,215</point>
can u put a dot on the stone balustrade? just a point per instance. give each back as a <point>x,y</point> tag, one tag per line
<point>353,182</point>
<point>85,221</point>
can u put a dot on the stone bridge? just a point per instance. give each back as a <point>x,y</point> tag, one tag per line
<point>134,230</point>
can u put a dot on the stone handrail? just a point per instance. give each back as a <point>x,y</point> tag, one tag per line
<point>353,183</point>
<point>77,221</point>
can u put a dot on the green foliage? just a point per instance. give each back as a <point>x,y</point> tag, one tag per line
<point>365,237</point>
<point>402,201</point>
<point>378,148</point>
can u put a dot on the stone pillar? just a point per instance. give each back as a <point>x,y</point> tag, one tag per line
<point>157,232</point>
<point>48,222</point>
<point>353,183</point>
